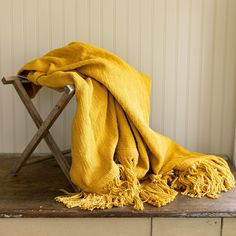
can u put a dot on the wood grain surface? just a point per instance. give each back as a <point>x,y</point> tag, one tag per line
<point>32,192</point>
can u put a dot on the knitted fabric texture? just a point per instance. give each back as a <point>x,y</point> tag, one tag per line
<point>117,159</point>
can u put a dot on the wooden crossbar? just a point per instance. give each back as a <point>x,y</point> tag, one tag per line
<point>43,126</point>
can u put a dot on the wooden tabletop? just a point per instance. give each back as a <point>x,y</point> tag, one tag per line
<point>31,194</point>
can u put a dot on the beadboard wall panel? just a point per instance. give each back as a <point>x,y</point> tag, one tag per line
<point>187,47</point>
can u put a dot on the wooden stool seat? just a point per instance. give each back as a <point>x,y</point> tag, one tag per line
<point>43,126</point>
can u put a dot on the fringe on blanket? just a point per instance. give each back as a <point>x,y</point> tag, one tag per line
<point>204,178</point>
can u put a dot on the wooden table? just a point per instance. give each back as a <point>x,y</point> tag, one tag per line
<point>31,194</point>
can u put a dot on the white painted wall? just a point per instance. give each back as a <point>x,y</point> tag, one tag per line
<point>188,47</point>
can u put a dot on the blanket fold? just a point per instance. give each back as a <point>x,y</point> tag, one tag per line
<point>117,159</point>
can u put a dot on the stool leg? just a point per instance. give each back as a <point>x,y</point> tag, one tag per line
<point>46,125</point>
<point>68,94</point>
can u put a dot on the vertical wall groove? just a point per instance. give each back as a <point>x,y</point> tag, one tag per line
<point>76,18</point>
<point>127,30</point>
<point>200,75</point>
<point>114,25</point>
<point>164,71</point>
<point>212,77</point>
<point>89,20</point>
<point>176,42</point>
<point>38,101</point>
<point>37,40</point>
<point>101,23</point>
<point>152,65</point>
<point>63,23</point>
<point>223,74</point>
<point>64,114</point>
<point>50,45</point>
<point>25,59</point>
<point>13,69</point>
<point>188,73</point>
<point>176,65</point>
<point>139,42</point>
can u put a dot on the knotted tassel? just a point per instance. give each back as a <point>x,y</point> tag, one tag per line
<point>207,177</point>
<point>156,191</point>
<point>122,191</point>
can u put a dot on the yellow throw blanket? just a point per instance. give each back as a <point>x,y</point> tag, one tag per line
<point>117,159</point>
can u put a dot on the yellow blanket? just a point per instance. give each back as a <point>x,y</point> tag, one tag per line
<point>117,159</point>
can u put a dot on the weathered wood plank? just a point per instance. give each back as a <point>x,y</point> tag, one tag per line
<point>32,193</point>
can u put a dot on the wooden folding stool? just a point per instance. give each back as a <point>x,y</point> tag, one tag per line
<point>43,126</point>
